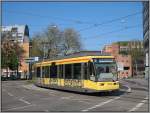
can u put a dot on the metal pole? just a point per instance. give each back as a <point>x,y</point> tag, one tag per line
<point>30,64</point>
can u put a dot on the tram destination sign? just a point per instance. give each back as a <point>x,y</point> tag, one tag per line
<point>100,60</point>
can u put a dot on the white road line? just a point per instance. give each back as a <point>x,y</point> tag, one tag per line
<point>51,94</point>
<point>10,94</point>
<point>84,102</point>
<point>129,88</point>
<point>66,97</point>
<point>24,101</point>
<point>139,104</point>
<point>101,104</point>
<point>46,110</point>
<point>20,107</point>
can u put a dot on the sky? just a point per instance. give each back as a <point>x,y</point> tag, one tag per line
<point>98,23</point>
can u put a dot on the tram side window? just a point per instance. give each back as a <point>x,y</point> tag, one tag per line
<point>85,71</point>
<point>43,72</point>
<point>47,72</point>
<point>60,71</point>
<point>53,71</point>
<point>68,71</point>
<point>77,71</point>
<point>38,71</point>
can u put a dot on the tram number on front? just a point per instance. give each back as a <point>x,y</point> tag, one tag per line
<point>73,83</point>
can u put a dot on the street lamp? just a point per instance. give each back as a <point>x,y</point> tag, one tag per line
<point>30,64</point>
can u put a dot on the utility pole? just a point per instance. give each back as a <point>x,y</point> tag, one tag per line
<point>30,64</point>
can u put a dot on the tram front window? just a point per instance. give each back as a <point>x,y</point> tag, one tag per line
<point>106,71</point>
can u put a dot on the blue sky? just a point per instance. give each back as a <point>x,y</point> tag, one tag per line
<point>79,15</point>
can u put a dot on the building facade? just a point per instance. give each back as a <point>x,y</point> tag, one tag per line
<point>146,36</point>
<point>126,61</point>
<point>121,52</point>
<point>20,34</point>
<point>123,60</point>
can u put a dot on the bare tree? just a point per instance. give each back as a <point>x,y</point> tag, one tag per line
<point>71,41</point>
<point>53,42</point>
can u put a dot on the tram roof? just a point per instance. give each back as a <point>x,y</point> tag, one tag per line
<point>80,54</point>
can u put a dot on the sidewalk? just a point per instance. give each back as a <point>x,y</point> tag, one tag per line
<point>138,81</point>
<point>135,83</point>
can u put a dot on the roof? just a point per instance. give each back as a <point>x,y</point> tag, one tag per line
<point>80,54</point>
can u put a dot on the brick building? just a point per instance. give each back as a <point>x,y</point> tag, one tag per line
<point>20,34</point>
<point>124,60</point>
<point>120,50</point>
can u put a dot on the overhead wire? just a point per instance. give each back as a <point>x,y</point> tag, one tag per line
<point>43,16</point>
<point>109,21</point>
<point>81,22</point>
<point>77,21</point>
<point>114,31</point>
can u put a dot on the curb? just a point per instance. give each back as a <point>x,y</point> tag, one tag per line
<point>127,88</point>
<point>133,82</point>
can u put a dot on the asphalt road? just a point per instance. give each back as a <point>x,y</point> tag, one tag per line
<point>20,96</point>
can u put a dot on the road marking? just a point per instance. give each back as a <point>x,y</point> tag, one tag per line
<point>101,104</point>
<point>46,110</point>
<point>51,94</point>
<point>129,88</point>
<point>83,102</point>
<point>20,107</point>
<point>139,104</point>
<point>10,94</point>
<point>24,101</point>
<point>66,97</point>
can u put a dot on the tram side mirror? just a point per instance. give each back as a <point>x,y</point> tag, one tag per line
<point>92,77</point>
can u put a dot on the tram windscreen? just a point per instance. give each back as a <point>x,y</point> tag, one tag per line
<point>106,70</point>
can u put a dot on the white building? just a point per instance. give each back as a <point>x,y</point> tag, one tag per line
<point>21,32</point>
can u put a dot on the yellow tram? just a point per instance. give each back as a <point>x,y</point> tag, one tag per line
<point>82,73</point>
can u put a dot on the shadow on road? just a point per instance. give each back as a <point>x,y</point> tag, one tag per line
<point>110,93</point>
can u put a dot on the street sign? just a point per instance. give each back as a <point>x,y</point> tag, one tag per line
<point>31,59</point>
<point>120,66</point>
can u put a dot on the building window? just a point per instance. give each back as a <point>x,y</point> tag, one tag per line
<point>14,29</point>
<point>126,68</point>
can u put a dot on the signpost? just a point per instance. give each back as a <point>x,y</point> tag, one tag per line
<point>31,60</point>
<point>120,66</point>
